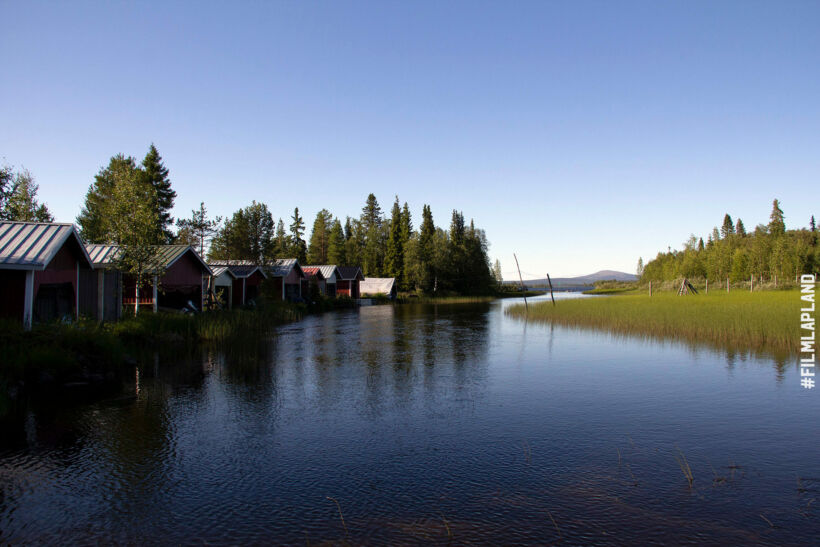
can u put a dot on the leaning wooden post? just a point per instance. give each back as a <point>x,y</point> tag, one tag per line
<point>550,282</point>
<point>523,289</point>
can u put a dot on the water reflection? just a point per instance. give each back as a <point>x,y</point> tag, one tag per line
<point>423,421</point>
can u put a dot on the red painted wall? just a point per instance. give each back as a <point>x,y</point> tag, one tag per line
<point>187,271</point>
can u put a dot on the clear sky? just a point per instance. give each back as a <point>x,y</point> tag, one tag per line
<point>579,135</point>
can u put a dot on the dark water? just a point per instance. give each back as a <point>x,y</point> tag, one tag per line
<point>427,424</point>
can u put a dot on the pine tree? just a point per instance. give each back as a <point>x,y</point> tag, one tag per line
<point>499,277</point>
<point>336,247</point>
<point>812,225</point>
<point>320,238</point>
<point>22,202</point>
<point>777,225</point>
<point>728,227</point>
<point>371,214</point>
<point>426,253</point>
<point>740,229</point>
<point>394,255</point>
<point>198,230</point>
<point>156,174</point>
<point>700,244</point>
<point>247,235</point>
<point>354,242</point>
<point>297,230</point>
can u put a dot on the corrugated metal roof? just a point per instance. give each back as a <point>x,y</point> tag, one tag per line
<point>281,267</point>
<point>216,271</point>
<point>239,268</point>
<point>106,255</point>
<point>32,245</point>
<point>349,273</point>
<point>327,271</point>
<point>311,271</point>
<point>377,285</point>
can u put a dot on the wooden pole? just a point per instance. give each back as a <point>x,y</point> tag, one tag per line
<point>650,289</point>
<point>522,283</point>
<point>707,286</point>
<point>550,282</point>
<point>751,283</point>
<point>727,284</point>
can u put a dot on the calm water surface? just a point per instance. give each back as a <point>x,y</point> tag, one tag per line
<point>427,424</point>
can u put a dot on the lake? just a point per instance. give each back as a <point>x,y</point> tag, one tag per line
<point>420,424</point>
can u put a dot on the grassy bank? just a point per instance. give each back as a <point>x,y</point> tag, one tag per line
<point>764,322</point>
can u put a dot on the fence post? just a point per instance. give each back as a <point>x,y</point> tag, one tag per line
<point>650,289</point>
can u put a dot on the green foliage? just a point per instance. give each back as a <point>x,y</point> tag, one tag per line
<point>247,235</point>
<point>762,322</point>
<point>319,248</point>
<point>18,198</point>
<point>394,254</point>
<point>198,230</point>
<point>336,245</point>
<point>298,247</point>
<point>769,251</point>
<point>156,174</point>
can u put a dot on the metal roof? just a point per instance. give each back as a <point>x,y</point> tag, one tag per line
<point>239,268</point>
<point>216,271</point>
<point>281,267</point>
<point>349,273</point>
<point>106,255</point>
<point>33,245</point>
<point>311,271</point>
<point>327,271</point>
<point>377,285</point>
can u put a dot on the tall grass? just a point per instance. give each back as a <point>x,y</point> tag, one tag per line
<point>763,322</point>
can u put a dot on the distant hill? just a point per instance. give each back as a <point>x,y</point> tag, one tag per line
<point>580,281</point>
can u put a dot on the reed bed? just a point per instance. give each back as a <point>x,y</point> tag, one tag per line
<point>763,322</point>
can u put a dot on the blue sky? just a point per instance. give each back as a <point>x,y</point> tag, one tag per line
<point>579,135</point>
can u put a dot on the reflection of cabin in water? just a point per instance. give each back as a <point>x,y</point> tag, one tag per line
<point>286,275</point>
<point>42,268</point>
<point>247,280</point>
<point>348,282</point>
<point>181,282</point>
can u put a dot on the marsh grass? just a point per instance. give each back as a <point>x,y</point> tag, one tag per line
<point>763,322</point>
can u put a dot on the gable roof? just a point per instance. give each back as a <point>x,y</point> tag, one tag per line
<point>33,245</point>
<point>377,285</point>
<point>239,268</point>
<point>217,271</point>
<point>349,273</point>
<point>281,267</point>
<point>105,255</point>
<point>314,271</point>
<point>327,271</point>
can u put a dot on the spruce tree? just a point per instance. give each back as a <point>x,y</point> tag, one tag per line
<point>297,230</point>
<point>156,174</point>
<point>394,255</point>
<point>777,226</point>
<point>728,227</point>
<point>336,247</point>
<point>740,229</point>
<point>247,235</point>
<point>426,254</point>
<point>320,238</point>
<point>812,225</point>
<point>281,243</point>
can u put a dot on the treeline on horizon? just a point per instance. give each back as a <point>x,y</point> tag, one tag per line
<point>731,252</point>
<point>129,204</point>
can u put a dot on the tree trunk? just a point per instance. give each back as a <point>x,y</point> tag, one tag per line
<point>137,296</point>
